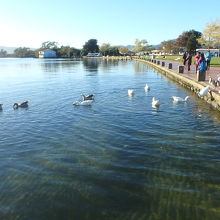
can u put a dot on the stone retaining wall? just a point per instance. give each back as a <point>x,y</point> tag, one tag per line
<point>212,98</point>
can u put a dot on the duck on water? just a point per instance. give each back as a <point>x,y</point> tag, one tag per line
<point>87,100</point>
<point>20,105</point>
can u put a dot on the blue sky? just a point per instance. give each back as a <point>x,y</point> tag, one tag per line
<point>118,22</point>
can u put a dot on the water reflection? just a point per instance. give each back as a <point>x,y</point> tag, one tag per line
<point>57,65</point>
<point>140,68</point>
<point>91,64</point>
<point>64,162</point>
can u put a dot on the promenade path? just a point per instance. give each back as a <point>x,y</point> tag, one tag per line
<point>213,72</point>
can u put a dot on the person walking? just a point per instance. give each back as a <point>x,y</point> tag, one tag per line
<point>208,58</point>
<point>197,57</point>
<point>189,60</point>
<point>184,58</point>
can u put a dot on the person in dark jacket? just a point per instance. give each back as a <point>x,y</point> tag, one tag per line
<point>189,60</point>
<point>184,58</point>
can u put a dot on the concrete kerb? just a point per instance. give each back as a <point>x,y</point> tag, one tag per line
<point>212,98</point>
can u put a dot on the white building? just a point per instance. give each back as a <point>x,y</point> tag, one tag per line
<point>94,55</point>
<point>47,54</point>
<point>213,52</point>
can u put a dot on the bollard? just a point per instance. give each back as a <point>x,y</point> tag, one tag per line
<point>158,62</point>
<point>201,75</point>
<point>170,66</point>
<point>180,69</point>
<point>152,61</point>
<point>162,63</point>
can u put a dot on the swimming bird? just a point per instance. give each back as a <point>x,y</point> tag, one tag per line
<point>88,97</point>
<point>130,92</point>
<point>1,106</point>
<point>179,99</point>
<point>204,91</point>
<point>155,102</point>
<point>86,102</point>
<point>213,82</point>
<point>146,88</point>
<point>21,105</point>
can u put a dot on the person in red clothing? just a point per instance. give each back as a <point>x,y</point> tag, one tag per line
<point>197,57</point>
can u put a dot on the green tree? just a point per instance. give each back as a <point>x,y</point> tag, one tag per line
<point>124,50</point>
<point>108,50</point>
<point>141,45</point>
<point>75,52</point>
<point>23,52</point>
<point>64,51</point>
<point>49,45</point>
<point>104,49</point>
<point>189,40</point>
<point>3,53</point>
<point>67,52</point>
<point>192,43</point>
<point>211,35</point>
<point>169,46</point>
<point>114,51</point>
<point>90,47</point>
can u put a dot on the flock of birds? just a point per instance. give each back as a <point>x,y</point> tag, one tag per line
<point>23,104</point>
<point>214,82</point>
<point>89,99</point>
<point>156,102</point>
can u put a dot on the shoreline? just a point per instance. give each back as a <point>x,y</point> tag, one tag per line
<point>212,98</point>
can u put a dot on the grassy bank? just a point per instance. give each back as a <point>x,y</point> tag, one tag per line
<point>214,62</point>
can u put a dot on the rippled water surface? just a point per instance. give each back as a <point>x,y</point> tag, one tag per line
<point>118,159</point>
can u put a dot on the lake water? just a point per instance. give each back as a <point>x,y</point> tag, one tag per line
<point>117,159</point>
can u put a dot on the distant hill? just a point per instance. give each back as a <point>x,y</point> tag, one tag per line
<point>156,46</point>
<point>10,50</point>
<point>131,47</point>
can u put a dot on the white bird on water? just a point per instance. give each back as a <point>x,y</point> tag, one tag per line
<point>146,88</point>
<point>179,99</point>
<point>204,91</point>
<point>86,102</point>
<point>130,92</point>
<point>155,103</point>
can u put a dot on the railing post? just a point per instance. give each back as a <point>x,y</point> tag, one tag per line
<point>201,75</point>
<point>180,69</point>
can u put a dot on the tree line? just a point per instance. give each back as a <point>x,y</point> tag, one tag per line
<point>191,40</point>
<point>188,40</point>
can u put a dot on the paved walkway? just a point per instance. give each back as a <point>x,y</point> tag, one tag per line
<point>213,72</point>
